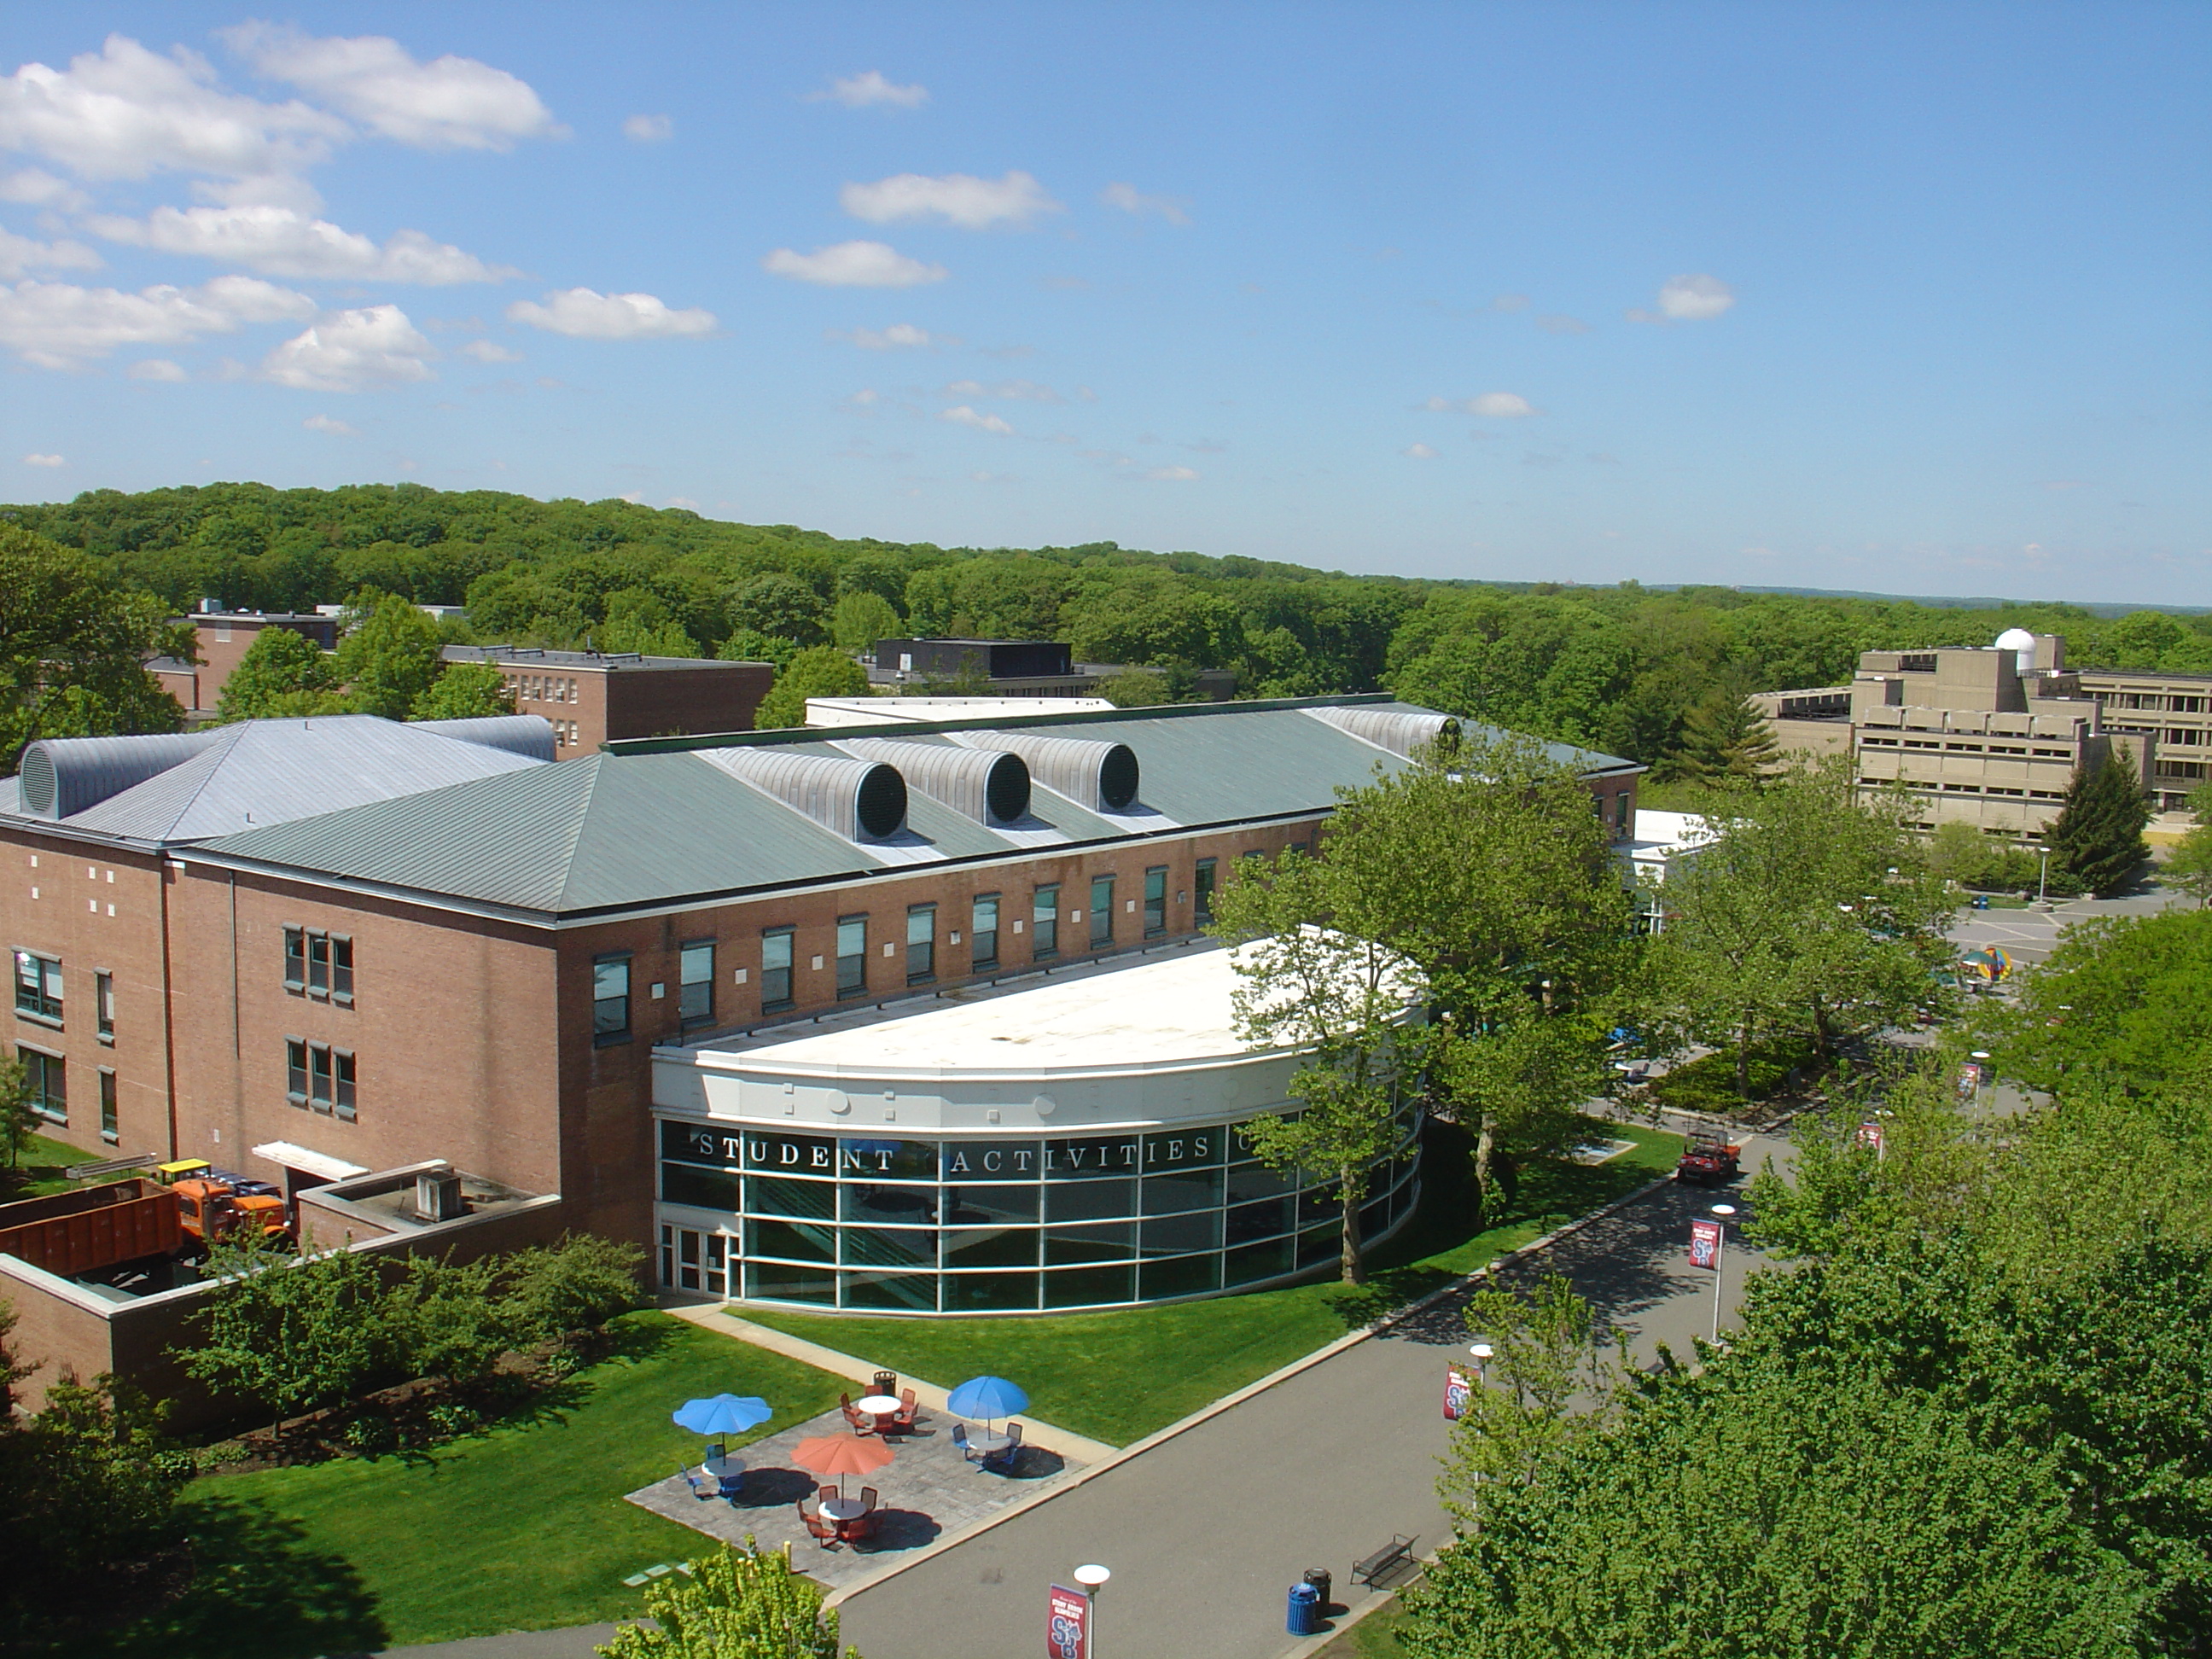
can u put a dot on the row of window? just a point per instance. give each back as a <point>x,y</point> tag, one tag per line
<point>45,1091</point>
<point>319,964</point>
<point>1870,741</point>
<point>1925,787</point>
<point>984,937</point>
<point>320,1077</point>
<point>38,993</point>
<point>542,688</point>
<point>2172,704</point>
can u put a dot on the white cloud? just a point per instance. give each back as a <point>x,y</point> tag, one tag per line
<point>870,89</point>
<point>156,369</point>
<point>648,129</point>
<point>1692,299</point>
<point>125,112</point>
<point>21,255</point>
<point>582,313</point>
<point>32,187</point>
<point>852,264</point>
<point>897,338</point>
<point>284,243</point>
<point>1420,452</point>
<point>490,351</point>
<point>1559,323</point>
<point>956,198</point>
<point>331,424</point>
<point>1510,302</point>
<point>683,502</point>
<point>1023,390</point>
<point>59,324</point>
<point>1130,199</point>
<point>1172,474</point>
<point>352,350</point>
<point>450,103</point>
<point>961,415</point>
<point>1490,405</point>
<point>45,460</point>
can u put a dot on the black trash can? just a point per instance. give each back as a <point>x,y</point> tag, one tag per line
<point>887,1384</point>
<point>1302,1619</point>
<point>1319,1578</point>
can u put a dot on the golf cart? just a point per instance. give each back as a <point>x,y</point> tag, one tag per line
<point>1708,1161</point>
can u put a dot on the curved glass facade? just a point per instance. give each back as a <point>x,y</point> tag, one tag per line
<point>968,1226</point>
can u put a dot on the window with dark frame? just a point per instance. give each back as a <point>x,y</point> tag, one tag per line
<point>295,959</point>
<point>39,987</point>
<point>319,1078</point>
<point>1102,911</point>
<point>103,1005</point>
<point>921,943</point>
<point>1202,893</point>
<point>343,1074</point>
<point>852,955</point>
<point>775,967</point>
<point>695,982</point>
<point>1156,900</point>
<point>1044,921</point>
<point>295,1071</point>
<point>611,999</point>
<point>319,964</point>
<point>341,968</point>
<point>983,932</point>
<point>109,1130</point>
<point>45,1084</point>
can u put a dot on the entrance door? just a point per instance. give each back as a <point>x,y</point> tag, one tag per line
<point>691,1260</point>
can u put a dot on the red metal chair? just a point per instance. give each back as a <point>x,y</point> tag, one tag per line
<point>868,1497</point>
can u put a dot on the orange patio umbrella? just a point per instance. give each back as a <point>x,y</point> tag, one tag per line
<point>841,1455</point>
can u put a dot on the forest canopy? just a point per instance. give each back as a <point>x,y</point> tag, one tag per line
<point>1620,668</point>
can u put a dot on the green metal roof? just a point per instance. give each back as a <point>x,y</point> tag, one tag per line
<point>647,823</point>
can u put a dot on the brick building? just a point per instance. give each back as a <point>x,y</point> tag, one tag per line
<point>225,638</point>
<point>592,697</point>
<point>292,947</point>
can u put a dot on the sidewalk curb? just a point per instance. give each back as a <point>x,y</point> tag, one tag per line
<point>1283,1374</point>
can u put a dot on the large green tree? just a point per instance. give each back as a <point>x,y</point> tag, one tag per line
<point>283,673</point>
<point>820,670</point>
<point>73,647</point>
<point>389,655</point>
<point>2097,836</point>
<point>741,1603</point>
<point>1724,740</point>
<point>2123,998</point>
<point>465,690</point>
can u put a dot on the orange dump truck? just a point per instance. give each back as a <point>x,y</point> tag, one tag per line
<point>93,1227</point>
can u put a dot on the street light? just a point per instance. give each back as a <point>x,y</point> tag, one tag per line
<point>1483,1353</point>
<point>2042,879</point>
<point>1093,1577</point>
<point>1724,1213</point>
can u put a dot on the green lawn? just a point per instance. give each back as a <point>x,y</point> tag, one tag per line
<point>38,1170</point>
<point>521,1528</point>
<point>1118,1376</point>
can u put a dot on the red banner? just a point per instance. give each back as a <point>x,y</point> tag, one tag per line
<point>1459,1389</point>
<point>1704,1243</point>
<point>1069,1629</point>
<point>1869,1135</point>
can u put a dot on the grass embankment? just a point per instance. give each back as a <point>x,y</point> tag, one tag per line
<point>1118,1376</point>
<point>522,1528</point>
<point>38,1169</point>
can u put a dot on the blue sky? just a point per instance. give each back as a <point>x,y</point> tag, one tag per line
<point>1910,298</point>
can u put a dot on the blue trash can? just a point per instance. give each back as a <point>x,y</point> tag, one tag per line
<point>1305,1611</point>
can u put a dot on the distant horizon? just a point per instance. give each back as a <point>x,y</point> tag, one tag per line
<point>1895,297</point>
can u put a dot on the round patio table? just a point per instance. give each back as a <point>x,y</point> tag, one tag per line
<point>843,1509</point>
<point>722,1468</point>
<point>877,1405</point>
<point>990,1443</point>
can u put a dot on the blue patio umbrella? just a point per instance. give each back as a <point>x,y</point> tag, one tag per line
<point>987,1397</point>
<point>725,1414</point>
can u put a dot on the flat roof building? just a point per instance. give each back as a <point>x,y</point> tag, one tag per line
<point>592,697</point>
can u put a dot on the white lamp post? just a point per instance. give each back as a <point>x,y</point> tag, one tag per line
<point>1723,1214</point>
<point>2042,879</point>
<point>1093,1578</point>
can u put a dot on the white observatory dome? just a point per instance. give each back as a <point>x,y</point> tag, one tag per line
<point>2021,644</point>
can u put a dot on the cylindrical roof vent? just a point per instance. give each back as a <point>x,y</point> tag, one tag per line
<point>991,786</point>
<point>1101,776</point>
<point>63,776</point>
<point>860,800</point>
<point>1400,731</point>
<point>530,736</point>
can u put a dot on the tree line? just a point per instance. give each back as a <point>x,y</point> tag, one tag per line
<point>1631,671</point>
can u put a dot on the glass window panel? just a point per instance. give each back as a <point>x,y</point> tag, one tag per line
<point>1088,1201</point>
<point>1318,1204</point>
<point>1320,1244</point>
<point>694,997</point>
<point>921,942</point>
<point>791,1154</point>
<point>1089,1287</point>
<point>108,1129</point>
<point>1201,897</point>
<point>891,1160</point>
<point>103,994</point>
<point>1174,1235</point>
<point>610,997</point>
<point>1375,1218</point>
<point>342,968</point>
<point>1254,1263</point>
<point>775,967</point>
<point>890,1247</point>
<point>1265,1219</point>
<point>785,1238</point>
<point>1102,910</point>
<point>343,1064</point>
<point>1116,1240</point>
<point>1044,921</point>
<point>852,955</point>
<point>980,1206</point>
<point>1156,900</point>
<point>707,1189</point>
<point>1190,1190</point>
<point>989,1292</point>
<point>867,1201</point>
<point>1186,1275</point>
<point>899,1292</point>
<point>983,931</point>
<point>45,1084</point>
<point>991,1247</point>
<point>1250,1183</point>
<point>1186,1149</point>
<point>295,959</point>
<point>1079,1160</point>
<point>986,1160</point>
<point>772,1281</point>
<point>696,1143</point>
<point>319,964</point>
<point>813,1201</point>
<point>295,1073</point>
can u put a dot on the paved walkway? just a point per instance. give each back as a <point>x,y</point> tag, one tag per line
<point>925,1491</point>
<point>1206,1530</point>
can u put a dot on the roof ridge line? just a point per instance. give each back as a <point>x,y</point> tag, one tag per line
<point>576,827</point>
<point>220,752</point>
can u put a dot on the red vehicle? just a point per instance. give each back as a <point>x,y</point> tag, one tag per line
<point>1709,1161</point>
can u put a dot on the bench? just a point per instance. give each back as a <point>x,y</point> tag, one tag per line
<point>108,1167</point>
<point>1392,1555</point>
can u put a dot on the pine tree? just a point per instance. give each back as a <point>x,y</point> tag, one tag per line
<point>2098,834</point>
<point>1723,739</point>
